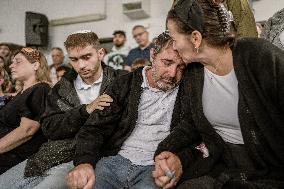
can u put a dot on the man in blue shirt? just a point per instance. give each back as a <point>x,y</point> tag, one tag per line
<point>141,36</point>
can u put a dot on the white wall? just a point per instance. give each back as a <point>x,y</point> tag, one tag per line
<point>264,9</point>
<point>12,22</point>
<point>12,17</point>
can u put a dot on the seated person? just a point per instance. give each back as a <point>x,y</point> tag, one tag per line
<point>20,134</point>
<point>141,36</point>
<point>116,147</point>
<point>5,87</point>
<point>116,58</point>
<point>79,92</point>
<point>60,71</point>
<point>236,94</point>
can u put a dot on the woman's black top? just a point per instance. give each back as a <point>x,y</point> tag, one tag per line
<point>30,104</point>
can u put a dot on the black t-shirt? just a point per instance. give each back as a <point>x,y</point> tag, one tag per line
<point>29,104</point>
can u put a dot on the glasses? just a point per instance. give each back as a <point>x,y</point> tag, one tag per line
<point>31,53</point>
<point>138,34</point>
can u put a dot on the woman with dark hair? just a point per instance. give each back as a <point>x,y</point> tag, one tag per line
<point>236,94</point>
<point>20,134</point>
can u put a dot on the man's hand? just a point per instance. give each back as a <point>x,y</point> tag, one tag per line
<point>81,177</point>
<point>165,164</point>
<point>99,103</point>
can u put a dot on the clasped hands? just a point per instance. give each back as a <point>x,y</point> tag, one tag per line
<point>168,170</point>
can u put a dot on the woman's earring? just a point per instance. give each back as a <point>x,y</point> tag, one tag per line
<point>196,49</point>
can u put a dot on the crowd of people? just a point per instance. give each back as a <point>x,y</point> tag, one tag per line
<point>199,107</point>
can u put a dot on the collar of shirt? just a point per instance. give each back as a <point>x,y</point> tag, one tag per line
<point>81,85</point>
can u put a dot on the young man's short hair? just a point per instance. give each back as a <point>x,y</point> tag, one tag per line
<point>82,40</point>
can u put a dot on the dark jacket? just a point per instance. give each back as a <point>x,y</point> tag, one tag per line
<point>63,117</point>
<point>259,68</point>
<point>105,131</point>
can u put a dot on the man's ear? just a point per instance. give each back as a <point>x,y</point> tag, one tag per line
<point>101,54</point>
<point>152,55</point>
<point>196,38</point>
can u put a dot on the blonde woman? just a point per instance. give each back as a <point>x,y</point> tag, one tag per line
<point>20,134</point>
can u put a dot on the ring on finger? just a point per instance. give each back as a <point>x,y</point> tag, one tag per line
<point>170,174</point>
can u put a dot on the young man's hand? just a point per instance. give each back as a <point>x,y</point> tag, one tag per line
<point>99,103</point>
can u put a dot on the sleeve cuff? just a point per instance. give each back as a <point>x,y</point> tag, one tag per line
<point>85,159</point>
<point>185,158</point>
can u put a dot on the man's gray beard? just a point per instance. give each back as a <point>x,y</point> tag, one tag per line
<point>161,85</point>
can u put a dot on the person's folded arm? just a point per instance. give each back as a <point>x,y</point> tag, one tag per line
<point>60,124</point>
<point>19,135</point>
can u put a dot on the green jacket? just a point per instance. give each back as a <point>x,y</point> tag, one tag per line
<point>244,22</point>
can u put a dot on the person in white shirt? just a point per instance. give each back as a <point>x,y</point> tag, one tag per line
<point>117,57</point>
